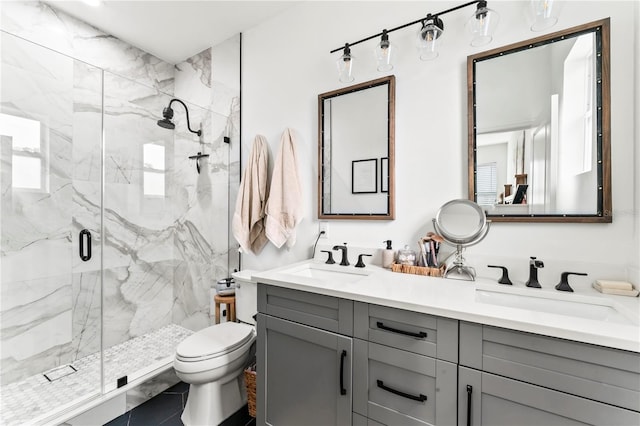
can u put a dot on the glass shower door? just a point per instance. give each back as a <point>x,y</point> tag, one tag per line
<point>165,227</point>
<point>50,179</point>
<point>143,213</point>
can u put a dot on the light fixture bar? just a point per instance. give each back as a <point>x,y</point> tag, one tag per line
<point>407,24</point>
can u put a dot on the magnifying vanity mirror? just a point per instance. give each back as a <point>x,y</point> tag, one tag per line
<point>356,127</point>
<point>539,128</point>
<point>461,223</point>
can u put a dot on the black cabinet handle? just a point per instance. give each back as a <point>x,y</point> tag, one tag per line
<point>419,398</point>
<point>343,391</point>
<point>420,335</point>
<point>85,238</point>
<point>469,390</point>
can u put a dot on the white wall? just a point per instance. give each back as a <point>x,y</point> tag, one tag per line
<point>286,64</point>
<point>635,176</point>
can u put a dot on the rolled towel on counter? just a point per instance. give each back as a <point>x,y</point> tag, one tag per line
<point>618,285</point>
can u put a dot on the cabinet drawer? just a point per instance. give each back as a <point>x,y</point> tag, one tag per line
<point>594,372</point>
<point>395,387</point>
<point>488,399</point>
<point>411,331</point>
<point>315,310</point>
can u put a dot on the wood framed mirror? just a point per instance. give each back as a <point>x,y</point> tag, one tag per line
<point>539,128</point>
<point>356,129</point>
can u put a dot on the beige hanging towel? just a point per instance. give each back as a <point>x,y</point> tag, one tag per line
<point>284,206</point>
<point>248,219</point>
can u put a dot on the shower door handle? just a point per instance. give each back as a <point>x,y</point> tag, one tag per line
<point>85,240</point>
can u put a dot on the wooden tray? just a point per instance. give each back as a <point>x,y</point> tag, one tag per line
<point>418,270</point>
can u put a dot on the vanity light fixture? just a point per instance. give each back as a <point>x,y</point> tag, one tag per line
<point>543,13</point>
<point>345,65</point>
<point>384,52</point>
<point>482,24</point>
<point>429,37</point>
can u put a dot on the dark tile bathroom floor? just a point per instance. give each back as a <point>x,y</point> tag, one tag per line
<point>166,408</point>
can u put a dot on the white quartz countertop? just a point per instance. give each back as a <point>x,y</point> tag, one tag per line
<point>481,301</point>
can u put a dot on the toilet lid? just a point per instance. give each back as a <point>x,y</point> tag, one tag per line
<point>215,340</point>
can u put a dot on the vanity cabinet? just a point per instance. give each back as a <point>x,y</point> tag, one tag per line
<point>332,361</point>
<point>404,367</point>
<point>304,356</point>
<point>511,377</point>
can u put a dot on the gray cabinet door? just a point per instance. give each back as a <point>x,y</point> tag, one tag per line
<point>304,375</point>
<point>397,387</point>
<point>488,399</point>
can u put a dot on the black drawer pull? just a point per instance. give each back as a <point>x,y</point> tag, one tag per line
<point>343,355</point>
<point>469,390</point>
<point>420,335</point>
<point>85,238</point>
<point>419,398</point>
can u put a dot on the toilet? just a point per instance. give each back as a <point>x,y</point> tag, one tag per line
<point>212,361</point>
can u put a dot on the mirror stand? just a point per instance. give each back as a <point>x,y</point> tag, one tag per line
<point>459,270</point>
<point>461,223</point>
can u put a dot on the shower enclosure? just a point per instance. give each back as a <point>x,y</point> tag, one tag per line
<point>110,239</point>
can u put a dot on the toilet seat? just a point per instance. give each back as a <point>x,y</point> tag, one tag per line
<point>214,342</point>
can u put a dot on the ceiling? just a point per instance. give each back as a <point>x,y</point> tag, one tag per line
<point>173,30</point>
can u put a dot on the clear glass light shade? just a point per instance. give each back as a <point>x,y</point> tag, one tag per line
<point>429,40</point>
<point>544,14</point>
<point>385,52</point>
<point>482,25</point>
<point>345,68</point>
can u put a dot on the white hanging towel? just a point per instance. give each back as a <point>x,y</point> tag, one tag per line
<point>248,219</point>
<point>284,206</point>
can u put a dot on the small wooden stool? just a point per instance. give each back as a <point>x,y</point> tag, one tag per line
<point>230,302</point>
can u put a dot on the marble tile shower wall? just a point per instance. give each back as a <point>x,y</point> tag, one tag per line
<point>161,254</point>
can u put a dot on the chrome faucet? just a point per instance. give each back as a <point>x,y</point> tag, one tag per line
<point>345,259</point>
<point>534,265</point>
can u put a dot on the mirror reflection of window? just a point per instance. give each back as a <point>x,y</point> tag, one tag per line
<point>27,160</point>
<point>578,96</point>
<point>487,183</point>
<point>153,170</point>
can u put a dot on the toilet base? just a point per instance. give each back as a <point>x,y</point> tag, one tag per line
<point>210,404</point>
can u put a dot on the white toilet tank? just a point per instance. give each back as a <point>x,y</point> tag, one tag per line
<point>246,296</point>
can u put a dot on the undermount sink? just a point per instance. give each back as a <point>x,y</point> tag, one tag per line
<point>330,273</point>
<point>583,307</point>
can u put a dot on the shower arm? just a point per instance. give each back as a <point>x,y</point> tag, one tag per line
<point>197,132</point>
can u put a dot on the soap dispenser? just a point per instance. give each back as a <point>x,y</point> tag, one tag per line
<point>388,256</point>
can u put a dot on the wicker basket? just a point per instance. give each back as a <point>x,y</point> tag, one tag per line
<point>418,270</point>
<point>250,384</point>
